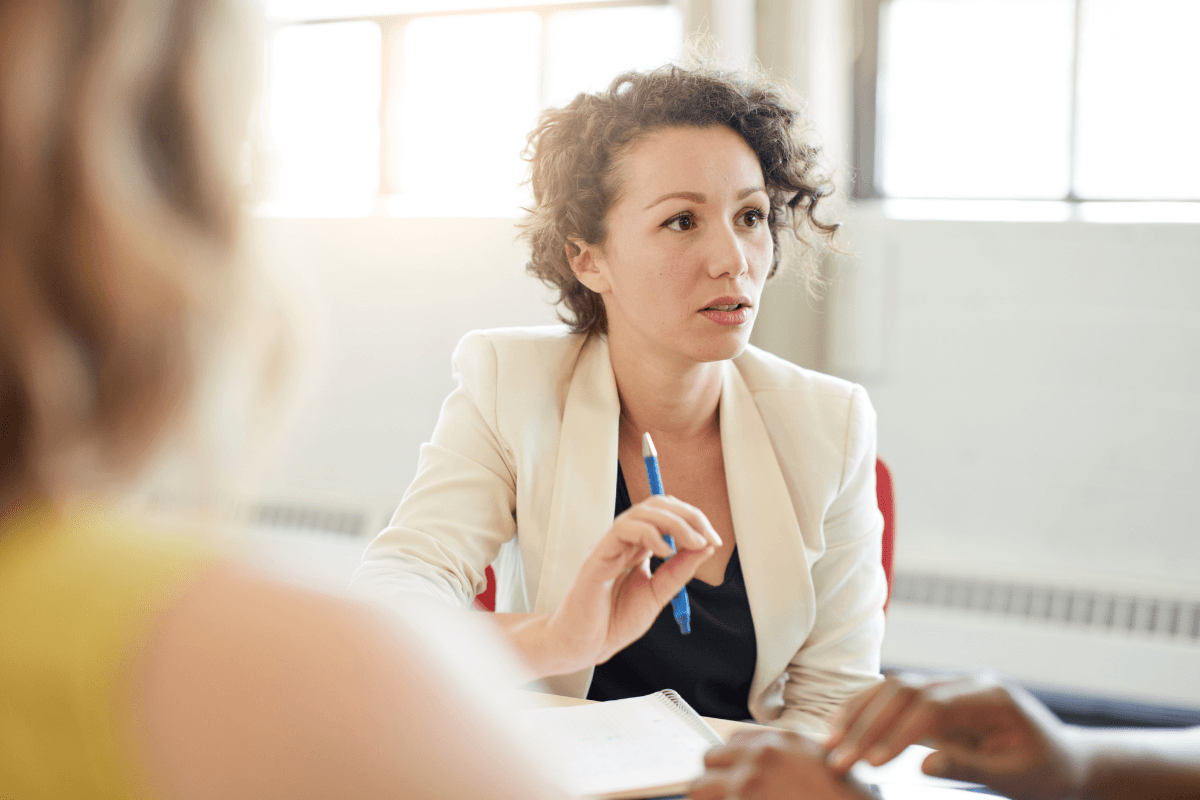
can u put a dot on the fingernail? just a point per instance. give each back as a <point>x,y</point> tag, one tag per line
<point>876,754</point>
<point>935,764</point>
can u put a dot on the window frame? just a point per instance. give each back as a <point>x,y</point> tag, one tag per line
<point>865,123</point>
<point>392,28</point>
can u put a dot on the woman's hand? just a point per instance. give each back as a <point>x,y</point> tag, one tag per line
<point>614,599</point>
<point>984,731</point>
<point>772,765</point>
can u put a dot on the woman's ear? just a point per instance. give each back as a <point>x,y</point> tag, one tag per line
<point>586,261</point>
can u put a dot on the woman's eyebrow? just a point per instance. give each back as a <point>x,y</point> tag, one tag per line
<point>697,197</point>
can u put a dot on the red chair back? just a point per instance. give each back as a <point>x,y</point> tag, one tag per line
<point>486,600</point>
<point>887,507</point>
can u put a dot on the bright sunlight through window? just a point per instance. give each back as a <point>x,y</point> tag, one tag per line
<point>468,96</point>
<point>426,115</point>
<point>1139,119</point>
<point>322,117</point>
<point>975,98</point>
<point>989,99</point>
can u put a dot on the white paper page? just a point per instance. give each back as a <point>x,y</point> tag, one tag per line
<point>898,791</point>
<point>905,770</point>
<point>612,747</point>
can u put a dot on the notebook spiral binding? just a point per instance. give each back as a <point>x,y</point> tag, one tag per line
<point>688,714</point>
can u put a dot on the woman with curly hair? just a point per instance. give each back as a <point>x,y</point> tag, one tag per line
<point>658,206</point>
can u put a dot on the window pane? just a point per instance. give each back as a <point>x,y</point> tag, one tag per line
<point>467,98</point>
<point>587,49</point>
<point>323,116</point>
<point>974,98</point>
<point>1139,117</point>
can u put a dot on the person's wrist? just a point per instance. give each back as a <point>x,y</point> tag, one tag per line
<point>530,635</point>
<point>566,647</point>
<point>1089,761</point>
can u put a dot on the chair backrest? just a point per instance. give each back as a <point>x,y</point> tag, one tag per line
<point>486,601</point>
<point>887,507</point>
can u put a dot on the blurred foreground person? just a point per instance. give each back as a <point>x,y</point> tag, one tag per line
<point>135,664</point>
<point>984,732</point>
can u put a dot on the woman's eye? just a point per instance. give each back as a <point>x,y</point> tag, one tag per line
<point>683,222</point>
<point>752,217</point>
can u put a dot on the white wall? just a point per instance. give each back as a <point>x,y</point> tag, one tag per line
<point>1038,389</point>
<point>388,299</point>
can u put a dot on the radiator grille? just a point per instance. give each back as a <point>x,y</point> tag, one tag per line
<point>330,520</point>
<point>1098,611</point>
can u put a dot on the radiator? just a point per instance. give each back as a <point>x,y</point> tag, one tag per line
<point>1090,640</point>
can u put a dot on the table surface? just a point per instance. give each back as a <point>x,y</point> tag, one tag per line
<point>901,779</point>
<point>725,728</point>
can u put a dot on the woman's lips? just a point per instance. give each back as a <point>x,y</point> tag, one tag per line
<point>739,316</point>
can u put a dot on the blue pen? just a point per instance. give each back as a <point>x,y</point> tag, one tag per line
<point>679,603</point>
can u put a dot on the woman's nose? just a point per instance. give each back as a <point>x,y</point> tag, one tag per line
<point>726,254</point>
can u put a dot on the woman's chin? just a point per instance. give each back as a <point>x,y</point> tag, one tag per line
<point>729,345</point>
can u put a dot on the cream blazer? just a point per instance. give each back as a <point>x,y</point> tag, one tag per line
<point>522,470</point>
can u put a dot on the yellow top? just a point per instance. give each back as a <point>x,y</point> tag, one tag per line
<point>79,593</point>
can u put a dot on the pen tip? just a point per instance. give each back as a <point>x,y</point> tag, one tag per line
<point>648,450</point>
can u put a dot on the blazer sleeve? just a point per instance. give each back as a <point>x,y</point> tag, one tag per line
<point>840,657</point>
<point>460,507</point>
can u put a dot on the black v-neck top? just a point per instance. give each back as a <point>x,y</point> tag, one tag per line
<point>711,668</point>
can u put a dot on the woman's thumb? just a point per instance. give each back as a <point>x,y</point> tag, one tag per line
<point>674,573</point>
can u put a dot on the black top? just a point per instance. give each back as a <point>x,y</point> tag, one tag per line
<point>711,667</point>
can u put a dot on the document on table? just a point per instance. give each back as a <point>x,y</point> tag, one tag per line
<point>902,779</point>
<point>640,747</point>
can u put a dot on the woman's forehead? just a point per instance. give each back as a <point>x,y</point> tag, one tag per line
<point>715,162</point>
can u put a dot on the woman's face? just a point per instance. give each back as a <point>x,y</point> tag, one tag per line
<point>688,247</point>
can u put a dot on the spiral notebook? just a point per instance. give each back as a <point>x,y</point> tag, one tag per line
<point>636,748</point>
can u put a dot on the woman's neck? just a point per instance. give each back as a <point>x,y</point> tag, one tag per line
<point>668,398</point>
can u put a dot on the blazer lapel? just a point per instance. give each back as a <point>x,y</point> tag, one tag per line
<point>585,475</point>
<point>585,487</point>
<point>776,569</point>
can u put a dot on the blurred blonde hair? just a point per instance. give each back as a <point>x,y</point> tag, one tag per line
<point>120,130</point>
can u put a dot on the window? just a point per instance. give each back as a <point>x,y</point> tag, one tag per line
<point>425,112</point>
<point>1029,99</point>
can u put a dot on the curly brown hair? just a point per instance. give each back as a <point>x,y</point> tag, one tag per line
<point>575,154</point>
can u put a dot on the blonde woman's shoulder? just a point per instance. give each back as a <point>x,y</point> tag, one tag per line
<point>253,689</point>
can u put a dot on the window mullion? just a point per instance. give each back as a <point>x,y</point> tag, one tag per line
<point>543,62</point>
<point>866,114</point>
<point>389,105</point>
<point>1073,123</point>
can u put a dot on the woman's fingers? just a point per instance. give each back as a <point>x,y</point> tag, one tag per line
<point>693,516</point>
<point>688,525</point>
<point>673,575</point>
<point>645,525</point>
<point>639,532</point>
